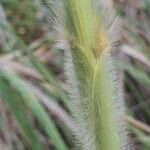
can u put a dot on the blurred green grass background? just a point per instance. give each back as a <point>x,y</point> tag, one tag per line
<point>33,110</point>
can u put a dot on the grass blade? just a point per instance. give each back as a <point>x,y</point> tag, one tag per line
<point>15,104</point>
<point>36,108</point>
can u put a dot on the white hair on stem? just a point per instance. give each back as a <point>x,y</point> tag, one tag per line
<point>96,99</point>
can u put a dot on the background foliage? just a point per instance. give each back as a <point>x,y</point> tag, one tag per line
<point>33,112</point>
